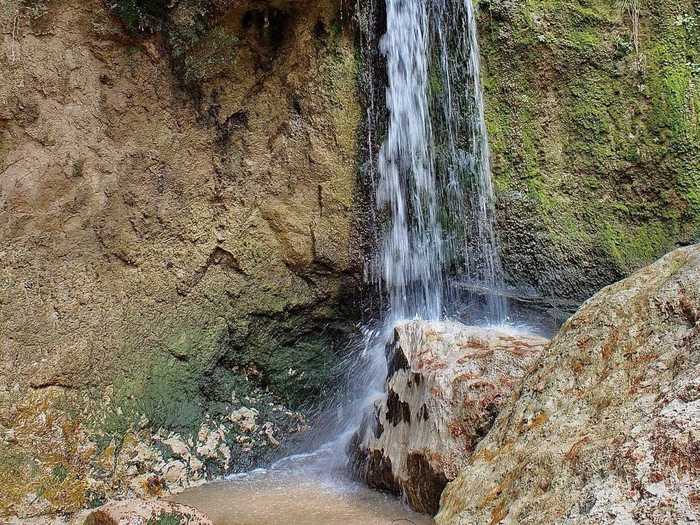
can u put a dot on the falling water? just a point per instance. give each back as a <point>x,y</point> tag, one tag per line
<point>434,187</point>
<point>435,203</point>
<point>463,157</point>
<point>412,252</point>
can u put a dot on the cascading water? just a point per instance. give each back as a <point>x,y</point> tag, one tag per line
<point>434,201</point>
<point>412,258</point>
<point>434,187</point>
<point>463,158</point>
<point>433,191</point>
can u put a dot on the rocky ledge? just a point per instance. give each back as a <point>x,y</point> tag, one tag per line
<point>445,385</point>
<point>606,430</point>
<point>55,462</point>
<point>139,512</point>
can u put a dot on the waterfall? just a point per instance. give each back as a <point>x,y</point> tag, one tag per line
<point>434,203</point>
<point>463,160</point>
<point>434,190</point>
<point>412,259</point>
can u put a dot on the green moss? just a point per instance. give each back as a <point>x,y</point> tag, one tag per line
<point>141,15</point>
<point>296,371</point>
<point>633,247</point>
<point>602,140</point>
<point>167,518</point>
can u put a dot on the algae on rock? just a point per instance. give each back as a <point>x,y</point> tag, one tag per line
<point>595,146</point>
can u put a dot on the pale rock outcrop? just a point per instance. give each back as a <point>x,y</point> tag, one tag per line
<point>178,446</point>
<point>446,382</point>
<point>210,441</point>
<point>174,471</point>
<point>606,430</point>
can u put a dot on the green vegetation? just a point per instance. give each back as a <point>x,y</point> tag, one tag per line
<point>141,16</point>
<point>167,518</point>
<point>593,117</point>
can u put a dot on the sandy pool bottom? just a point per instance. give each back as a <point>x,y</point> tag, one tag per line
<point>296,499</point>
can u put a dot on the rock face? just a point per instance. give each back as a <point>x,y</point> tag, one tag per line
<point>606,429</point>
<point>176,216</point>
<point>594,137</point>
<point>446,383</point>
<point>169,200</point>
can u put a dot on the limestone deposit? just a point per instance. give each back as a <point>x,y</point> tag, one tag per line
<point>445,386</point>
<point>605,428</point>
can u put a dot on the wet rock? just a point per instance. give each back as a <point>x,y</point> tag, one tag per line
<point>606,430</point>
<point>446,384</point>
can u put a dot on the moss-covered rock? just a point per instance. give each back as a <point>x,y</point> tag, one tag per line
<point>178,222</point>
<point>595,136</point>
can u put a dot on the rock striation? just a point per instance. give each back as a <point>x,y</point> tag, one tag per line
<point>445,385</point>
<point>606,429</point>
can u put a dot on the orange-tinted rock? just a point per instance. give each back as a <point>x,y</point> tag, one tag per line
<point>140,511</point>
<point>606,430</point>
<point>445,386</point>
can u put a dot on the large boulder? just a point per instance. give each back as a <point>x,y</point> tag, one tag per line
<point>606,429</point>
<point>445,384</point>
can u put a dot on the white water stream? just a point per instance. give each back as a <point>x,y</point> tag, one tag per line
<point>424,39</point>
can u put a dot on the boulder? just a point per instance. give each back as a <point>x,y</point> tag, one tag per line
<point>445,385</point>
<point>245,418</point>
<point>137,512</point>
<point>606,430</point>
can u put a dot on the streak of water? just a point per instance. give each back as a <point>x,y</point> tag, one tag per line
<point>463,157</point>
<point>412,256</point>
<point>434,198</point>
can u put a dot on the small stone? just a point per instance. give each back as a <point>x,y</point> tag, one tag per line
<point>178,446</point>
<point>210,441</point>
<point>268,430</point>
<point>196,465</point>
<point>174,471</point>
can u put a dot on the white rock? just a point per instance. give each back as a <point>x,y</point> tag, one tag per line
<point>209,441</point>
<point>268,430</point>
<point>196,465</point>
<point>178,446</point>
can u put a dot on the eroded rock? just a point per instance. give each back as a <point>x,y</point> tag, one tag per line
<point>445,386</point>
<point>606,430</point>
